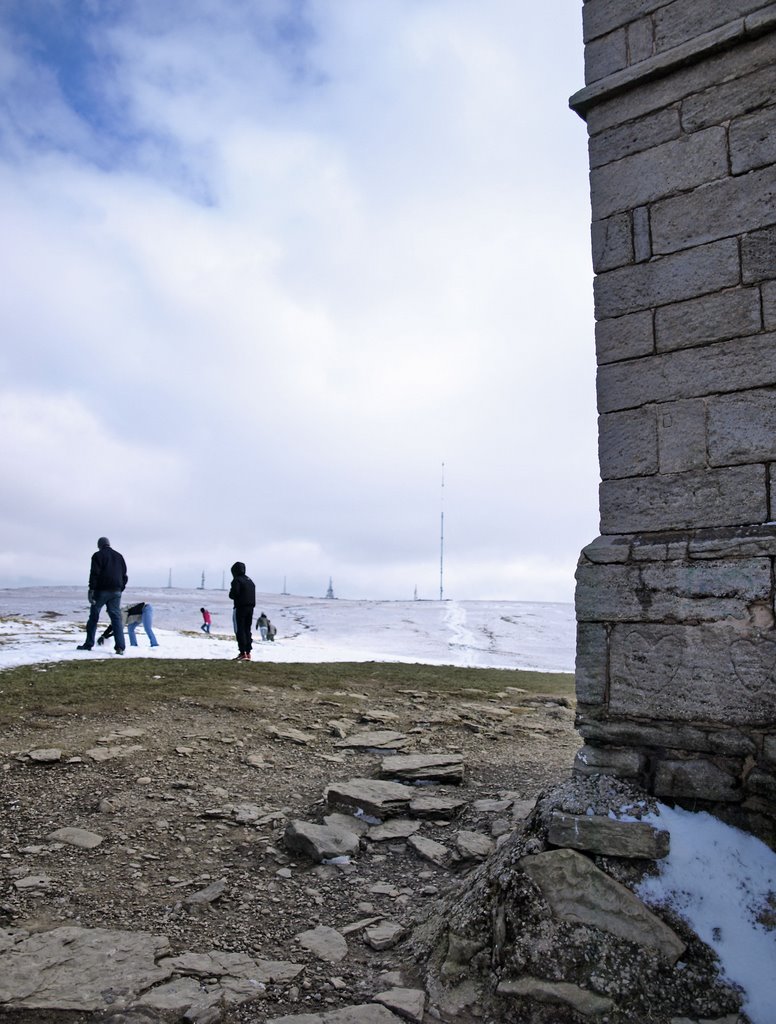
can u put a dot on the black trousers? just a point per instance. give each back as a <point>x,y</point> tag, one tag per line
<point>243,618</point>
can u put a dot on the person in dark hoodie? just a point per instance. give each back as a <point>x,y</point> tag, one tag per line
<point>243,594</point>
<point>107,579</point>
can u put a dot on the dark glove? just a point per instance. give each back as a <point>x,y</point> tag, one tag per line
<point>90,595</point>
<point>100,641</point>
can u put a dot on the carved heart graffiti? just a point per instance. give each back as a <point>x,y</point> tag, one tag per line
<point>652,663</point>
<point>754,662</point>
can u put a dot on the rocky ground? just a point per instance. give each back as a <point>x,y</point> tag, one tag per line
<point>190,802</point>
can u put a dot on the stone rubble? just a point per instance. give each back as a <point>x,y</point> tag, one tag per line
<point>550,851</point>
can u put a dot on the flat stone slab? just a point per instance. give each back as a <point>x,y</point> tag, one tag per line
<point>218,963</point>
<point>384,935</point>
<point>577,890</point>
<point>424,767</point>
<point>608,836</point>
<point>346,821</point>
<point>73,968</point>
<point>583,1001</point>
<point>442,807</point>
<point>79,837</point>
<point>409,1003</point>
<point>430,850</point>
<point>375,797</point>
<point>326,943</point>
<point>302,739</point>
<point>395,828</point>
<point>112,753</point>
<point>209,894</point>
<point>50,755</point>
<point>382,739</point>
<point>365,1013</point>
<point>492,806</point>
<point>320,842</point>
<point>473,845</point>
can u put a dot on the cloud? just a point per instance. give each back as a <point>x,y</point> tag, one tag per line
<point>299,254</point>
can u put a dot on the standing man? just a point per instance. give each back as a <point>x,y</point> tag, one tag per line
<point>243,593</point>
<point>107,579</point>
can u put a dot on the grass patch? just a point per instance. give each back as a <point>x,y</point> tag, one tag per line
<point>62,687</point>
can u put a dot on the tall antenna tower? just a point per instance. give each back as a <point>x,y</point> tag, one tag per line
<point>169,580</point>
<point>442,537</point>
<point>202,584</point>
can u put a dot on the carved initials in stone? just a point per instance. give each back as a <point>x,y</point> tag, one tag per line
<point>652,663</point>
<point>754,662</point>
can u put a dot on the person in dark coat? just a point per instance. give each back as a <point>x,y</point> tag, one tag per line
<point>107,580</point>
<point>243,594</point>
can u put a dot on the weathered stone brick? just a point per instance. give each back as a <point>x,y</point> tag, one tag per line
<point>742,427</point>
<point>612,242</point>
<point>678,22</point>
<point>625,337</point>
<point>753,141</point>
<point>663,735</point>
<point>607,549</point>
<point>720,368</point>
<point>758,256</point>
<point>627,443</point>
<point>733,97</point>
<point>734,542</point>
<point>671,591</point>
<point>683,275</point>
<point>761,784</point>
<point>682,436</point>
<point>642,238</point>
<point>641,40</point>
<point>592,663</point>
<point>605,55</point>
<point>769,305</point>
<point>695,84</point>
<point>602,16</point>
<point>728,314</point>
<point>692,673</point>
<point>665,546</point>
<point>707,498</point>
<point>681,164</point>
<point>696,780</point>
<point>608,761</point>
<point>721,209</point>
<point>634,137</point>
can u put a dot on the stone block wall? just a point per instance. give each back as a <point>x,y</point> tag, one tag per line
<point>676,653</point>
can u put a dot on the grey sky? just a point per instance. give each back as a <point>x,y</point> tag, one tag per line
<point>267,265</point>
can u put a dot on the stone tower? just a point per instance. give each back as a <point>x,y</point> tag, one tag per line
<point>676,654</point>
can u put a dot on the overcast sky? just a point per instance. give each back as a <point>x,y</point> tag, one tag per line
<point>267,264</point>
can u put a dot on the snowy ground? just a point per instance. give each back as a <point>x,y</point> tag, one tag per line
<point>47,623</point>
